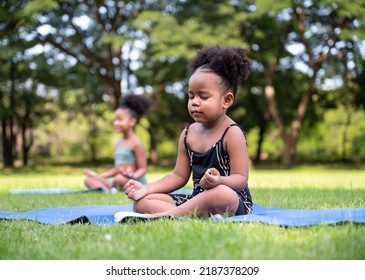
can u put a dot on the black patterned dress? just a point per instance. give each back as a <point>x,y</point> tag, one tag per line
<point>215,157</point>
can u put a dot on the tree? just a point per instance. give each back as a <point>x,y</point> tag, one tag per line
<point>79,93</point>
<point>312,26</point>
<point>96,51</point>
<point>98,35</point>
<point>22,107</point>
<point>173,34</point>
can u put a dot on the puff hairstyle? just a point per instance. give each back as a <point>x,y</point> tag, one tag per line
<point>136,104</point>
<point>231,64</point>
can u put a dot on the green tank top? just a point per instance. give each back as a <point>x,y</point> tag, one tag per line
<point>123,155</point>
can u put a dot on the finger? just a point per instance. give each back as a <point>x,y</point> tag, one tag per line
<point>131,194</point>
<point>202,180</point>
<point>213,171</point>
<point>129,189</point>
<point>203,183</point>
<point>129,184</point>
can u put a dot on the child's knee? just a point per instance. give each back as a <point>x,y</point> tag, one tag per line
<point>138,206</point>
<point>87,181</point>
<point>225,194</point>
<point>120,181</point>
<point>142,205</point>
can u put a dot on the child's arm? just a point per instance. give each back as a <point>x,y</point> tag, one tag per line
<point>109,173</point>
<point>171,182</point>
<point>90,173</point>
<point>141,162</point>
<point>106,174</point>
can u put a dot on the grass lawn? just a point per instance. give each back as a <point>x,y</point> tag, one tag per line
<point>303,187</point>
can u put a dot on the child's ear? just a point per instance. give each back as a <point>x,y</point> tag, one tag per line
<point>133,121</point>
<point>228,99</point>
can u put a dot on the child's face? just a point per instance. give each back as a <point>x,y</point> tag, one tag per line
<point>123,120</point>
<point>207,101</point>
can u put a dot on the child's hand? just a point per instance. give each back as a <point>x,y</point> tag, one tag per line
<point>210,179</point>
<point>135,190</point>
<point>90,173</point>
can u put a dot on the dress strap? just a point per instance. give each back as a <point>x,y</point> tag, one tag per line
<point>224,133</point>
<point>228,127</point>
<point>186,133</point>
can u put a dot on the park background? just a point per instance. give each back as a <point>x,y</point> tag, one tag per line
<point>64,66</point>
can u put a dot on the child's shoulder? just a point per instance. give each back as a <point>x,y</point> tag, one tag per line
<point>234,134</point>
<point>193,128</point>
<point>234,129</point>
<point>136,143</point>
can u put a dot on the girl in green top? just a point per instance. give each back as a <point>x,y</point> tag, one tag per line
<point>129,153</point>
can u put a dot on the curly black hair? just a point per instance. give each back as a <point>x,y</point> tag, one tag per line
<point>136,104</point>
<point>231,64</point>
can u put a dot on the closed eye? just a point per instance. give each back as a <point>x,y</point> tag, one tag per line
<point>204,97</point>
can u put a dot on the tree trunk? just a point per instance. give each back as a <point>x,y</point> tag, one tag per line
<point>270,95</point>
<point>290,137</point>
<point>24,146</point>
<point>27,142</point>
<point>7,123</point>
<point>289,158</point>
<point>26,125</point>
<point>7,144</point>
<point>263,120</point>
<point>262,130</point>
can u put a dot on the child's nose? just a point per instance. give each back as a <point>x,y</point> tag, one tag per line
<point>195,101</point>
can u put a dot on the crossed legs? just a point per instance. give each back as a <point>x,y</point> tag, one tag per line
<point>93,182</point>
<point>218,200</point>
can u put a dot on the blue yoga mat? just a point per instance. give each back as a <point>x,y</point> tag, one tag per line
<point>104,214</point>
<point>67,190</point>
<point>52,191</point>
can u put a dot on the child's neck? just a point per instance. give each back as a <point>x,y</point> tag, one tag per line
<point>128,134</point>
<point>222,121</point>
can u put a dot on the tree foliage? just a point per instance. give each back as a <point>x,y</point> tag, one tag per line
<point>308,57</point>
